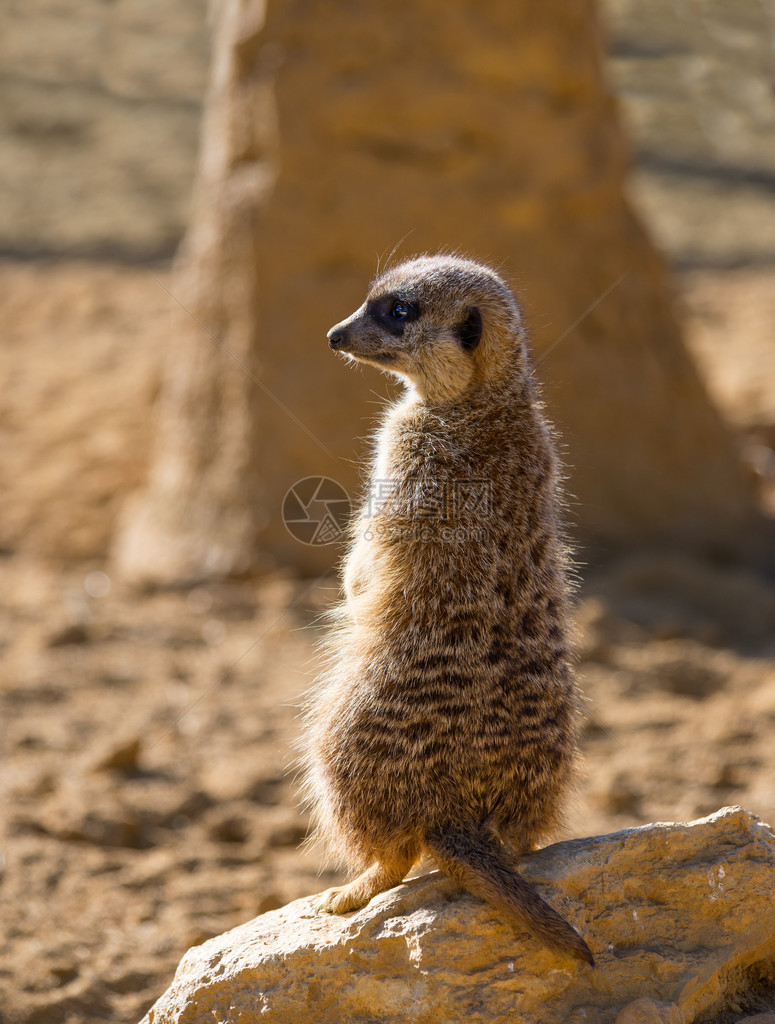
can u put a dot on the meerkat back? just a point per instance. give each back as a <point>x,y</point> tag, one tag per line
<point>446,722</point>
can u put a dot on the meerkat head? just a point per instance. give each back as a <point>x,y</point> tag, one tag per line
<point>443,323</point>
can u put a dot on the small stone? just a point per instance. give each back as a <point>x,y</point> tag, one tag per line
<point>290,834</point>
<point>728,776</point>
<point>119,756</point>
<point>72,633</point>
<point>64,972</point>
<point>229,828</point>
<point>622,797</point>
<point>33,783</point>
<point>121,829</point>
<point>668,631</point>
<point>267,902</point>
<point>686,678</point>
<point>649,1011</point>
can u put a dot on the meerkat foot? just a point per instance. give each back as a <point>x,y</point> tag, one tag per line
<point>356,894</point>
<point>342,899</point>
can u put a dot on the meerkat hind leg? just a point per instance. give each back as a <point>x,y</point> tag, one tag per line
<point>357,893</point>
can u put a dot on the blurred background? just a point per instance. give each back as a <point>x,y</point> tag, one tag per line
<point>189,198</point>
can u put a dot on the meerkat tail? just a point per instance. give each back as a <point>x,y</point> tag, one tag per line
<point>473,860</point>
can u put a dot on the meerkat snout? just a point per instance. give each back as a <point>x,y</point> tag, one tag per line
<point>374,334</point>
<point>336,337</point>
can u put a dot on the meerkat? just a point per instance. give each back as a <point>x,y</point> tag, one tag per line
<point>446,722</point>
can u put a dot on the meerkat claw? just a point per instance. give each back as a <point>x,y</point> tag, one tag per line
<point>338,900</point>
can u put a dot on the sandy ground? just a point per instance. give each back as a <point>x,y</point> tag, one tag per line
<point>146,739</point>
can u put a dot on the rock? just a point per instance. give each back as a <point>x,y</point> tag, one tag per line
<point>621,796</point>
<point>119,755</point>
<point>288,829</point>
<point>72,633</point>
<point>681,918</point>
<point>649,1011</point>
<point>224,826</point>
<point>268,902</point>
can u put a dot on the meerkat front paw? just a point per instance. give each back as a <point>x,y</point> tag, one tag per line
<point>374,880</point>
<point>340,900</point>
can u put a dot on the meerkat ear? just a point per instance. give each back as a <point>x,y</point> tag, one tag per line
<point>469,332</point>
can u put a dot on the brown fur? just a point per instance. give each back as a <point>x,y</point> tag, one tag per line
<point>446,723</point>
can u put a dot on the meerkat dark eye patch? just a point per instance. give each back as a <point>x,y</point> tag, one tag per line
<point>469,332</point>
<point>392,312</point>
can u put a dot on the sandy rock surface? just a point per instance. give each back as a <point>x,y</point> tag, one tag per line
<point>681,917</point>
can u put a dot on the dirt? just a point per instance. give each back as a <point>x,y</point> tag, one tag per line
<point>148,739</point>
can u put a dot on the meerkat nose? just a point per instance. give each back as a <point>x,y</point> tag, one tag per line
<point>335,337</point>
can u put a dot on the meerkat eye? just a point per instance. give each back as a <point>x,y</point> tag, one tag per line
<point>392,313</point>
